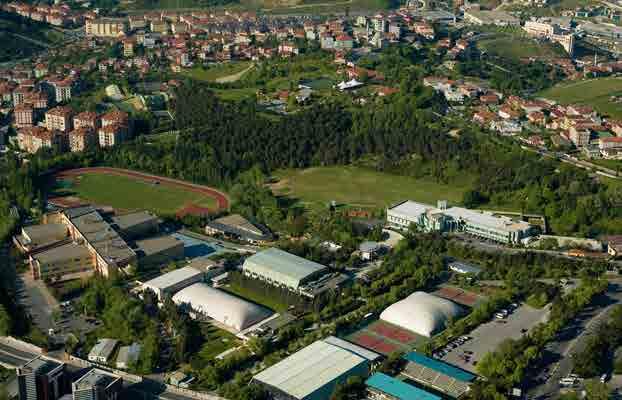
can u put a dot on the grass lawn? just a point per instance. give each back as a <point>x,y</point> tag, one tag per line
<point>362,187</point>
<point>126,193</point>
<point>593,92</point>
<point>216,341</point>
<point>515,47</point>
<point>258,297</point>
<point>217,71</point>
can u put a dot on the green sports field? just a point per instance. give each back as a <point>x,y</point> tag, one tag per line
<point>593,92</point>
<point>129,194</point>
<point>362,187</point>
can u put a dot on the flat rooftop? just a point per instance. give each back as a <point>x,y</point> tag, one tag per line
<point>127,221</point>
<point>171,278</point>
<point>95,377</point>
<point>40,365</point>
<point>41,234</point>
<point>106,241</point>
<point>156,245</point>
<point>64,252</point>
<point>398,389</point>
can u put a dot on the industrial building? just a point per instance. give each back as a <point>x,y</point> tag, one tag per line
<point>128,355</point>
<point>159,250</point>
<point>442,219</point>
<point>313,372</point>
<point>286,270</point>
<point>42,379</point>
<point>421,313</point>
<point>385,387</point>
<point>435,374</point>
<point>97,385</point>
<point>102,351</point>
<point>238,227</point>
<point>168,284</point>
<point>235,313</point>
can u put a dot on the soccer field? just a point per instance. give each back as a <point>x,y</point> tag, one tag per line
<point>362,187</point>
<point>593,92</point>
<point>128,193</point>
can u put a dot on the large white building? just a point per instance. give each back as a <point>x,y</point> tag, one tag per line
<point>450,219</point>
<point>545,28</point>
<point>422,313</point>
<point>201,300</point>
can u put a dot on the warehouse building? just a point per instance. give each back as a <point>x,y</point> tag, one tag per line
<point>159,250</point>
<point>313,372</point>
<point>238,227</point>
<point>421,313</point>
<point>441,218</point>
<point>235,313</point>
<point>168,284</point>
<point>385,387</point>
<point>285,270</point>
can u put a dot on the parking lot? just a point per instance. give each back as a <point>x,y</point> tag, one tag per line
<point>489,335</point>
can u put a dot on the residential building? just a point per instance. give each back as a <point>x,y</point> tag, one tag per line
<point>24,115</point>
<point>33,138</point>
<point>544,28</point>
<point>103,350</point>
<point>86,119</point>
<point>115,117</point>
<point>128,47</point>
<point>106,27</point>
<point>59,118</point>
<point>81,139</point>
<point>42,379</point>
<point>580,137</point>
<point>97,385</point>
<point>62,90</point>
<point>112,135</point>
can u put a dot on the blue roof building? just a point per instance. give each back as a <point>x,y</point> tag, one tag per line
<point>438,375</point>
<point>384,386</point>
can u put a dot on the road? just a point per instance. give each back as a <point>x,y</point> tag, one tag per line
<point>236,76</point>
<point>572,340</point>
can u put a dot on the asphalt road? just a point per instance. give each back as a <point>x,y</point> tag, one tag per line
<point>572,340</point>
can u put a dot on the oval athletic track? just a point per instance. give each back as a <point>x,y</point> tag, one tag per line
<point>221,199</point>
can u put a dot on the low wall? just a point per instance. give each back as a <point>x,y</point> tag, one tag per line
<point>192,393</point>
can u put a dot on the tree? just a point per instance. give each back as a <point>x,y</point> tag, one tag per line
<point>6,322</point>
<point>597,391</point>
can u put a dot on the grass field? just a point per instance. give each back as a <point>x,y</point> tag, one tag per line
<point>126,193</point>
<point>218,71</point>
<point>515,47</point>
<point>363,187</point>
<point>216,342</point>
<point>593,92</point>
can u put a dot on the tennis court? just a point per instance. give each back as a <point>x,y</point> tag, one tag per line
<point>385,338</point>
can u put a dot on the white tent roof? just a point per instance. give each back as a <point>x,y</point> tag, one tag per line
<point>421,313</point>
<point>221,306</point>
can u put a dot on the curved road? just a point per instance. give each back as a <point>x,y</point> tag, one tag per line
<point>221,198</point>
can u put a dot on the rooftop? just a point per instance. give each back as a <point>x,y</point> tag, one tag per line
<point>398,389</point>
<point>282,266</point>
<point>158,244</point>
<point>40,234</point>
<point>439,366</point>
<point>127,221</point>
<point>40,365</point>
<point>309,369</point>
<point>65,252</point>
<point>95,377</point>
<point>103,348</point>
<point>173,277</point>
<point>240,226</point>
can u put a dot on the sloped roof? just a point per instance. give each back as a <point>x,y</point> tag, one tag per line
<point>281,266</point>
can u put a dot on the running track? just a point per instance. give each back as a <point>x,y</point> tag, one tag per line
<point>221,198</point>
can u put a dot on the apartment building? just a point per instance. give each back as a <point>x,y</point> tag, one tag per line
<point>42,379</point>
<point>83,138</point>
<point>111,135</point>
<point>544,28</point>
<point>106,27</point>
<point>86,119</point>
<point>24,115</point>
<point>33,138</point>
<point>59,118</point>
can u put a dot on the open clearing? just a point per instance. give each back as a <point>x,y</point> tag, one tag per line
<point>362,187</point>
<point>129,190</point>
<point>593,92</point>
<point>514,48</point>
<point>218,72</point>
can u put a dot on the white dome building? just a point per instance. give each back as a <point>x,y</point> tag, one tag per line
<point>221,306</point>
<point>421,313</point>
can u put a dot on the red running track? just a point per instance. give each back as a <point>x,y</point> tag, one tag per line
<point>221,198</point>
